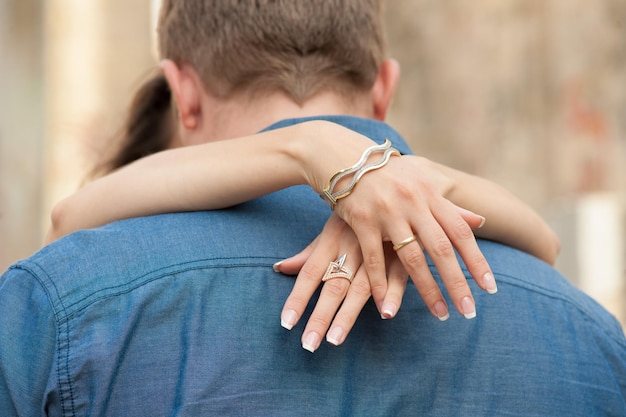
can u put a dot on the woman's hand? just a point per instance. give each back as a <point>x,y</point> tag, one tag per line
<point>405,199</point>
<point>402,201</point>
<point>340,300</point>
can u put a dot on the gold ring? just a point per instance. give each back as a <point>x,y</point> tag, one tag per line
<point>405,242</point>
<point>337,270</point>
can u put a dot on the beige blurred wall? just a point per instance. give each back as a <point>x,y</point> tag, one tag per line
<point>67,70</point>
<point>528,93</point>
<point>21,127</point>
<point>96,52</point>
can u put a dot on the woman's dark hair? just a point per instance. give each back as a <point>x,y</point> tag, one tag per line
<point>148,127</point>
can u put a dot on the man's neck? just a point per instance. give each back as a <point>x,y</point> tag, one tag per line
<point>240,116</point>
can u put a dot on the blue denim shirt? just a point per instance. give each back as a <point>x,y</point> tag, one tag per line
<point>179,315</point>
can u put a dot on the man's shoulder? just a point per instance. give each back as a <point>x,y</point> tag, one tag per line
<point>123,253</point>
<point>540,290</point>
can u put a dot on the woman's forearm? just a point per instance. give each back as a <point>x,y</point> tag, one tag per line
<point>211,176</point>
<point>221,174</point>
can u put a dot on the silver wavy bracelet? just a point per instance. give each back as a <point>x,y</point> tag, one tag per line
<point>358,170</point>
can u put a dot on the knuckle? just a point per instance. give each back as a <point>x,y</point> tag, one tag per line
<point>336,288</point>
<point>443,248</point>
<point>478,261</point>
<point>428,292</point>
<point>311,273</point>
<point>361,288</point>
<point>463,231</point>
<point>318,322</point>
<point>414,259</point>
<point>456,286</point>
<point>371,262</point>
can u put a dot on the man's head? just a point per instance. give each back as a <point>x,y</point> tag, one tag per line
<point>298,49</point>
<point>297,46</point>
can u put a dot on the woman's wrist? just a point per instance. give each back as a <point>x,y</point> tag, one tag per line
<point>321,148</point>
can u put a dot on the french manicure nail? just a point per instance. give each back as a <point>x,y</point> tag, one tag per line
<point>389,310</point>
<point>441,311</point>
<point>468,308</point>
<point>335,336</point>
<point>288,319</point>
<point>276,266</point>
<point>482,222</point>
<point>311,342</point>
<point>490,283</point>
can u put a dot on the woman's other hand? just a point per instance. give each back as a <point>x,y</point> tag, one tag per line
<point>341,299</point>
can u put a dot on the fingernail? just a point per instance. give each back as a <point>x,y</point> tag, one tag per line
<point>288,319</point>
<point>482,222</point>
<point>490,283</point>
<point>311,342</point>
<point>468,308</point>
<point>389,310</point>
<point>335,336</point>
<point>276,266</point>
<point>441,311</point>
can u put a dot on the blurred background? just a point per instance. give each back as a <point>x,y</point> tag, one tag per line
<point>528,93</point>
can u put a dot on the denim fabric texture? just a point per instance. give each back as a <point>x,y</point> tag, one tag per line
<point>179,315</point>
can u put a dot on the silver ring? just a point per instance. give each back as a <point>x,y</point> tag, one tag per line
<point>337,270</point>
<point>404,242</point>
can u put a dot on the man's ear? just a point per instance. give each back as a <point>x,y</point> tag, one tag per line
<point>187,91</point>
<point>384,87</point>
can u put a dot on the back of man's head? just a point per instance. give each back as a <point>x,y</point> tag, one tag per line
<point>300,47</point>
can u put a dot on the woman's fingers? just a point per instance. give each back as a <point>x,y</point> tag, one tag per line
<point>396,284</point>
<point>424,221</point>
<point>374,263</point>
<point>307,282</point>
<point>441,227</point>
<point>444,232</point>
<point>310,276</point>
<point>332,296</point>
<point>412,257</point>
<point>424,231</point>
<point>441,251</point>
<point>357,295</point>
<point>345,285</point>
<point>464,241</point>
